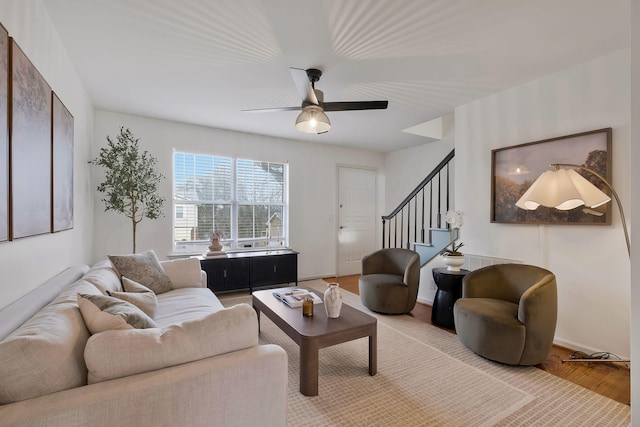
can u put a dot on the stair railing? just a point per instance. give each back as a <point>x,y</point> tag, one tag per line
<point>421,210</point>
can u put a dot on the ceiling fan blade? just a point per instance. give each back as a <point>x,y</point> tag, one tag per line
<point>272,110</point>
<point>355,105</point>
<point>305,89</point>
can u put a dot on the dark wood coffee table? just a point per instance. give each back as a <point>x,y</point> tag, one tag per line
<point>319,331</point>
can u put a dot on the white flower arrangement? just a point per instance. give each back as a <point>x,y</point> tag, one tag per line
<point>455,221</point>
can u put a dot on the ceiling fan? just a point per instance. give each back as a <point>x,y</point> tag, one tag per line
<point>313,119</point>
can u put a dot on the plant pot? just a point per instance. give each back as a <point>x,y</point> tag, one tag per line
<point>453,262</point>
<point>215,245</point>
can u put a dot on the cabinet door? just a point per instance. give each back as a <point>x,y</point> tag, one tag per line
<point>215,269</point>
<point>237,274</point>
<point>263,270</point>
<point>286,268</point>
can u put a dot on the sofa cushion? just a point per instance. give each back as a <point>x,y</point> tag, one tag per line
<point>45,354</point>
<point>181,305</point>
<point>102,313</point>
<point>183,272</point>
<point>104,277</point>
<point>138,295</point>
<point>115,354</point>
<point>144,268</point>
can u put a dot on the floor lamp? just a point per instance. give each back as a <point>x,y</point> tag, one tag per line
<point>564,190</point>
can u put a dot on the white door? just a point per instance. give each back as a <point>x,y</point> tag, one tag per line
<point>356,218</point>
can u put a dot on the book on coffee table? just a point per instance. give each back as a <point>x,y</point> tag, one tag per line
<point>293,297</point>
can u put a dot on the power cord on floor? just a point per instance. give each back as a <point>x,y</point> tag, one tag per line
<point>601,356</point>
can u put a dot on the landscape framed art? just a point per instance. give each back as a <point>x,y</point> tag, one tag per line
<point>30,148</point>
<point>515,168</point>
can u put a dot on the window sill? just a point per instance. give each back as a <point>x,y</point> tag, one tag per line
<point>176,255</point>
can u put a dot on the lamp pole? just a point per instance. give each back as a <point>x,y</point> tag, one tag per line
<point>604,358</point>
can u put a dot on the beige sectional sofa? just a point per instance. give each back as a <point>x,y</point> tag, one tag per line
<point>201,364</point>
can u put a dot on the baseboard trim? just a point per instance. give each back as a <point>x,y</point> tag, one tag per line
<point>570,345</point>
<point>425,301</point>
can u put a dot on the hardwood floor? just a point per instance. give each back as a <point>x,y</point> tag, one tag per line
<point>612,380</point>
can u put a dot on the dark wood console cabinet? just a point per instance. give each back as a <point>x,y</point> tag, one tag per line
<point>249,270</point>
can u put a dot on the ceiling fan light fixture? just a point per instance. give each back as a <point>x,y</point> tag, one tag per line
<point>312,119</point>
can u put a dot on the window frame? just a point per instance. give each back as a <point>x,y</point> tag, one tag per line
<point>232,243</point>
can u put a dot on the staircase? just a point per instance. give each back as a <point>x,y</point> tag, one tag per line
<point>418,221</point>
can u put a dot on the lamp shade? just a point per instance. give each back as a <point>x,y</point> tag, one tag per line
<point>312,119</point>
<point>562,189</point>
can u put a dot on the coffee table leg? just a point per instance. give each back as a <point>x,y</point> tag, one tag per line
<point>309,367</point>
<point>373,353</point>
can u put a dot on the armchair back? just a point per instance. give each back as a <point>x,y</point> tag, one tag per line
<point>507,282</point>
<point>508,313</point>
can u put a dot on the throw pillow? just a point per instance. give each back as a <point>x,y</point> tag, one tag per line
<point>102,313</point>
<point>144,268</point>
<point>183,272</point>
<point>138,295</point>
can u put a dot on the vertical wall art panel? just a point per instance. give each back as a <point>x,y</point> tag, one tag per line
<point>62,141</point>
<point>4,134</point>
<point>30,143</point>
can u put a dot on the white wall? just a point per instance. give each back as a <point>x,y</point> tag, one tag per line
<point>312,189</point>
<point>590,262</point>
<point>25,263</point>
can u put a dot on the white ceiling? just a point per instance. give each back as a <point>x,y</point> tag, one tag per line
<point>203,61</point>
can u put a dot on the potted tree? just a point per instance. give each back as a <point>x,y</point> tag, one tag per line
<point>131,181</point>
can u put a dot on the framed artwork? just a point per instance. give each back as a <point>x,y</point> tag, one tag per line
<point>4,134</point>
<point>514,169</point>
<point>30,145</point>
<point>62,147</point>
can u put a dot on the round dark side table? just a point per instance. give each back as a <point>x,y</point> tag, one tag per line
<point>449,285</point>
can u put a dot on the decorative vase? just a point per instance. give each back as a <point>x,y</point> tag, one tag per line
<point>333,300</point>
<point>453,262</point>
<point>215,245</point>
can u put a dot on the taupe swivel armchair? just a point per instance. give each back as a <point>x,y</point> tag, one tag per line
<point>508,313</point>
<point>389,281</point>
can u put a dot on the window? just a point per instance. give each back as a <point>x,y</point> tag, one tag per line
<point>245,199</point>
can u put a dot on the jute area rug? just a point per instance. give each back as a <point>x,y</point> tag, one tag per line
<point>427,378</point>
